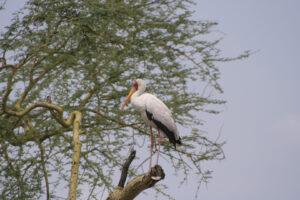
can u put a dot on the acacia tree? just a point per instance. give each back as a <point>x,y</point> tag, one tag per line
<point>65,65</point>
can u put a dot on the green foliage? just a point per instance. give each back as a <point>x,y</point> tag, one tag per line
<point>84,55</point>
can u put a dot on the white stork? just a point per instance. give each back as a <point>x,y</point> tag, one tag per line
<point>155,114</point>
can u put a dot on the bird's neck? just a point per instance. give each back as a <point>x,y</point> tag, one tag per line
<point>136,94</point>
<point>135,100</point>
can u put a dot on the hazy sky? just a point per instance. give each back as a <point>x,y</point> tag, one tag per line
<point>261,121</point>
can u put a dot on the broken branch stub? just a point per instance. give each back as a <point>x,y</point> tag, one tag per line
<point>137,185</point>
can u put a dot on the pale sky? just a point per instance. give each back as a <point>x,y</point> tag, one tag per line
<point>261,121</point>
<point>262,118</point>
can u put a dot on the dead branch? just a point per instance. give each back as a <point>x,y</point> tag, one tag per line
<point>138,184</point>
<point>125,169</point>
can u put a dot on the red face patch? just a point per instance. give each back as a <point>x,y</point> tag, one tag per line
<point>135,85</point>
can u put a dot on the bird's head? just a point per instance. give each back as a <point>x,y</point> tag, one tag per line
<point>137,85</point>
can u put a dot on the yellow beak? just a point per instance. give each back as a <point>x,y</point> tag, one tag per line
<point>127,99</point>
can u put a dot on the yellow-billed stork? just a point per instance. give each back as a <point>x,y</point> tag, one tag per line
<point>155,114</point>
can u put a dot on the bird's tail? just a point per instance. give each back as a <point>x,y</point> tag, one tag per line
<point>178,141</point>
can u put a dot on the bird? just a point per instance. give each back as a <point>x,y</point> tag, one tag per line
<point>154,113</point>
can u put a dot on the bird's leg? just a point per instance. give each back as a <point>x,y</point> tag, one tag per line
<point>157,178</point>
<point>158,151</point>
<point>151,147</point>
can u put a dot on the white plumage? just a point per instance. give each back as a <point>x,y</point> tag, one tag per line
<point>159,111</point>
<point>154,113</point>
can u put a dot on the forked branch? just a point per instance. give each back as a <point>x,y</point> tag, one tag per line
<point>138,184</point>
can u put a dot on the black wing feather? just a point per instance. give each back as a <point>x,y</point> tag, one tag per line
<point>170,134</point>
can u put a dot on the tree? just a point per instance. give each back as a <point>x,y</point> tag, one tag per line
<point>65,66</point>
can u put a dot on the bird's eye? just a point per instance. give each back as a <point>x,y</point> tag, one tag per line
<point>135,85</point>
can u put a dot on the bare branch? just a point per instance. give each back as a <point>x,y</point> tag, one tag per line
<point>125,169</point>
<point>137,185</point>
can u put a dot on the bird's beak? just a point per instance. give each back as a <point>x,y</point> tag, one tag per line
<point>127,99</point>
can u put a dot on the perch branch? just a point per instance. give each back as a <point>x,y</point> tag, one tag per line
<point>137,185</point>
